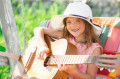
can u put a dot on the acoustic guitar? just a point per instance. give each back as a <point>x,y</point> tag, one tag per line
<point>61,52</point>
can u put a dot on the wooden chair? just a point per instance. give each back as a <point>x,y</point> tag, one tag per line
<point>110,40</point>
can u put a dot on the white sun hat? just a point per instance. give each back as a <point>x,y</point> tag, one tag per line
<point>76,9</point>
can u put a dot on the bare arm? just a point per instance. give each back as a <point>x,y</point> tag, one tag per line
<point>55,33</point>
<point>40,32</point>
<point>91,70</point>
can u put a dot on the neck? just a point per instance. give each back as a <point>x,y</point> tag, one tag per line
<point>80,39</point>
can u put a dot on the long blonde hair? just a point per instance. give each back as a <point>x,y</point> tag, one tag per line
<point>90,35</point>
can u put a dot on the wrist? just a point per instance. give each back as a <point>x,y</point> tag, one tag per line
<point>74,72</point>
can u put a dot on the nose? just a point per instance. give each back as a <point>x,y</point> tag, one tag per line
<point>73,24</point>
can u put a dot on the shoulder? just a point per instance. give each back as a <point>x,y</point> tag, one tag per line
<point>97,49</point>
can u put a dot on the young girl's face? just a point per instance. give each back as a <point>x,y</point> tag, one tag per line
<point>75,26</point>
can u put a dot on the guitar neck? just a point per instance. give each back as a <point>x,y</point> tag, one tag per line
<point>52,60</point>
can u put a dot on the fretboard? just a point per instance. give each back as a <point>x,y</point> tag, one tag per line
<point>69,59</point>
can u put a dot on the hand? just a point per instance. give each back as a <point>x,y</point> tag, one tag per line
<point>41,47</point>
<point>42,52</point>
<point>70,69</point>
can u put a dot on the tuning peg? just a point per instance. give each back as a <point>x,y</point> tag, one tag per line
<point>109,69</point>
<point>101,68</point>
<point>113,70</point>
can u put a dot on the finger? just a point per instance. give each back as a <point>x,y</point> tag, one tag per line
<point>42,56</point>
<point>64,66</point>
<point>41,52</point>
<point>47,50</point>
<point>38,52</point>
<point>44,53</point>
<point>60,67</point>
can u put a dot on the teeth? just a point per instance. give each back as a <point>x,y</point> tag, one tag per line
<point>75,30</point>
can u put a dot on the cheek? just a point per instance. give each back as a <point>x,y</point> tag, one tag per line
<point>68,28</point>
<point>82,27</point>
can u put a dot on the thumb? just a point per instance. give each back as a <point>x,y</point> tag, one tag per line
<point>47,50</point>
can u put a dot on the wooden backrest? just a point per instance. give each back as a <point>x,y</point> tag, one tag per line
<point>110,38</point>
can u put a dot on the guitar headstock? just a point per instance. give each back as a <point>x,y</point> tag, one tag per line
<point>110,62</point>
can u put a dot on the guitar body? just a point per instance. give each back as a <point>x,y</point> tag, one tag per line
<point>35,68</point>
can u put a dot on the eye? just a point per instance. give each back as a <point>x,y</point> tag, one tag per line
<point>67,22</point>
<point>77,20</point>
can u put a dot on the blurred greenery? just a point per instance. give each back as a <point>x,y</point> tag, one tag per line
<point>4,72</point>
<point>3,49</point>
<point>34,14</point>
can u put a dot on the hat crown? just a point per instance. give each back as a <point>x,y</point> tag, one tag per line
<point>78,8</point>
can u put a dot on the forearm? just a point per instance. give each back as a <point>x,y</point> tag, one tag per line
<point>55,33</point>
<point>79,75</point>
<point>39,33</point>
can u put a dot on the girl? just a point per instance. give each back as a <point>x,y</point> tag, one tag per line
<point>77,27</point>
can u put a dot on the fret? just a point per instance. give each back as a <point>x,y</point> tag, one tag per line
<point>84,60</point>
<point>71,59</point>
<point>57,59</point>
<point>67,59</point>
<point>87,59</point>
<point>61,59</point>
<point>54,62</point>
<point>81,59</point>
<point>90,60</point>
<point>77,59</point>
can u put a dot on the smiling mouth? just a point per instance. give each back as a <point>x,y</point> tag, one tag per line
<point>74,30</point>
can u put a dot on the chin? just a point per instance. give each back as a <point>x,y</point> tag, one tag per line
<point>75,35</point>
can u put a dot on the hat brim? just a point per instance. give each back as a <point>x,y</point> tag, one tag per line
<point>57,23</point>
